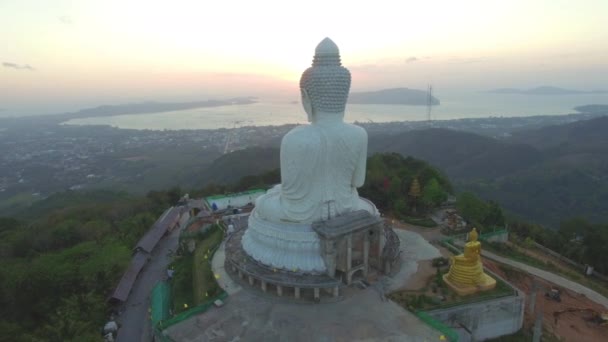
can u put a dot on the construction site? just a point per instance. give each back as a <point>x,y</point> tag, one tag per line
<point>556,313</point>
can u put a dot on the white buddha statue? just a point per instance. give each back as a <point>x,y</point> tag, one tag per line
<point>322,165</point>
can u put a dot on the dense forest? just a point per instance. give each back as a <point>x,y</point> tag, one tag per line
<point>62,257</point>
<point>389,181</point>
<point>544,175</point>
<point>61,262</point>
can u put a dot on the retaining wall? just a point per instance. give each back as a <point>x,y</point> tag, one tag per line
<point>484,320</point>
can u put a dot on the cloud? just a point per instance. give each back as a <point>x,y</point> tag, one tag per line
<point>17,66</point>
<point>411,59</point>
<point>467,60</point>
<point>65,19</point>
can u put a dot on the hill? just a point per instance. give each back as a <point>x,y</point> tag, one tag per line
<point>544,90</point>
<point>397,96</point>
<point>574,136</point>
<point>571,180</point>
<point>233,166</point>
<point>152,107</point>
<point>461,155</point>
<point>544,175</point>
<point>593,108</point>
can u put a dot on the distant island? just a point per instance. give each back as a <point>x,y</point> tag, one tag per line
<point>592,108</point>
<point>398,96</point>
<point>154,107</point>
<point>544,90</point>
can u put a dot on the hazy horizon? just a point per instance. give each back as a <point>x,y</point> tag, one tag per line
<point>68,56</point>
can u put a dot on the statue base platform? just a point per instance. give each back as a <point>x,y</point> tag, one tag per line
<point>298,286</point>
<point>484,284</point>
<point>285,246</point>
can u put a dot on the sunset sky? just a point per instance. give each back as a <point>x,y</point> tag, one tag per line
<point>63,55</point>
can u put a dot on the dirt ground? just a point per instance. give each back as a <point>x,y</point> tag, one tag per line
<point>425,272</point>
<point>568,326</point>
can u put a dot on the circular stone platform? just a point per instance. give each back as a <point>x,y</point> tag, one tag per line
<point>246,316</point>
<point>297,285</point>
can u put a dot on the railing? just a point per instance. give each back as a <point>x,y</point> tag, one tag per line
<point>571,262</point>
<point>448,332</point>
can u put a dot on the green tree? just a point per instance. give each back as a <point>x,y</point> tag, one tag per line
<point>433,195</point>
<point>400,207</point>
<point>494,215</point>
<point>173,195</point>
<point>471,207</point>
<point>74,320</point>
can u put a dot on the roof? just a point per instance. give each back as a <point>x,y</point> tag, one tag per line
<point>123,288</point>
<point>158,229</point>
<point>249,192</point>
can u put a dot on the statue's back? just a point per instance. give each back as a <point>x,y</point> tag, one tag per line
<point>321,165</point>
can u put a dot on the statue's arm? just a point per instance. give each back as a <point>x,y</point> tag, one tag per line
<point>359,176</point>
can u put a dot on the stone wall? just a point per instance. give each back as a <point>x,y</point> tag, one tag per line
<point>484,320</point>
<point>234,200</point>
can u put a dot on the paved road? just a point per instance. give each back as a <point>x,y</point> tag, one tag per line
<point>135,323</point>
<point>554,278</point>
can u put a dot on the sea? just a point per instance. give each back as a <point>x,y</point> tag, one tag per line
<point>273,112</point>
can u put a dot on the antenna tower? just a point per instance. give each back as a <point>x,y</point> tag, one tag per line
<point>429,104</point>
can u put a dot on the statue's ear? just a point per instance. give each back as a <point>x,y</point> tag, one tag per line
<point>307,104</point>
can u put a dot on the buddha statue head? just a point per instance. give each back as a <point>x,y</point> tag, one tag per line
<point>325,85</point>
<point>473,235</point>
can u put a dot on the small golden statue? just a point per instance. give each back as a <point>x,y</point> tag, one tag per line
<point>466,274</point>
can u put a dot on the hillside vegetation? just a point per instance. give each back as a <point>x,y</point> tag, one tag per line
<point>231,167</point>
<point>545,175</point>
<point>59,266</point>
<point>389,181</point>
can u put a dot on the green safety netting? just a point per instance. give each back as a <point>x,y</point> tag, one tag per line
<point>447,332</point>
<point>189,313</point>
<point>160,302</point>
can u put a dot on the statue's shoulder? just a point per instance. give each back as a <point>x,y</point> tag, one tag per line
<point>357,131</point>
<point>300,136</point>
<point>301,131</point>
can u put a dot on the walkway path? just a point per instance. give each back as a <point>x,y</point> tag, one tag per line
<point>224,280</point>
<point>134,321</point>
<point>554,278</point>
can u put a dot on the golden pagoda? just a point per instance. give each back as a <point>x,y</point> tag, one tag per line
<point>466,274</point>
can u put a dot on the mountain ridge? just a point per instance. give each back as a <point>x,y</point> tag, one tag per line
<point>543,90</point>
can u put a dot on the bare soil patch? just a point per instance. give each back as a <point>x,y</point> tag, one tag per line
<point>567,326</point>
